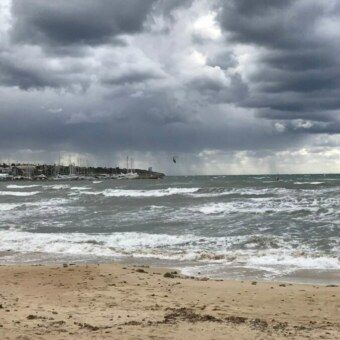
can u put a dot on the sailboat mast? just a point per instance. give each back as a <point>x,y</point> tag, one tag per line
<point>59,165</point>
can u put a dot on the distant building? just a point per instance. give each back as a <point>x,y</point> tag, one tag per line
<point>5,169</point>
<point>24,170</point>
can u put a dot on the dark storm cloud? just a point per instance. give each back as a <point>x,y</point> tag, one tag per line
<point>13,74</point>
<point>35,72</point>
<point>216,90</point>
<point>158,124</point>
<point>297,73</point>
<point>102,76</point>
<point>131,76</point>
<point>299,60</point>
<point>271,23</point>
<point>78,22</point>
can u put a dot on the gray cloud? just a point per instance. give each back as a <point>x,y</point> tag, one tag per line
<point>28,68</point>
<point>77,22</point>
<point>278,24</point>
<point>197,77</point>
<point>297,71</point>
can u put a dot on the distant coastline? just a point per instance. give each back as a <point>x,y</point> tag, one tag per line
<point>30,171</point>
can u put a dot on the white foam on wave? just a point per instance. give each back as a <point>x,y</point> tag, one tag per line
<point>142,193</point>
<point>97,182</point>
<point>207,250</point>
<point>18,193</point>
<point>80,188</point>
<point>57,186</point>
<point>87,244</point>
<point>160,246</point>
<point>213,208</point>
<point>14,186</point>
<point>216,192</point>
<point>49,202</point>
<point>210,194</point>
<point>294,262</point>
<point>255,205</point>
<point>15,211</point>
<point>8,206</point>
<point>309,183</point>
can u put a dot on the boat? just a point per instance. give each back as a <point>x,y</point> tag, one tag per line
<point>129,174</point>
<point>65,178</point>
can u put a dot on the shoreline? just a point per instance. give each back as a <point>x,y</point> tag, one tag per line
<point>124,301</point>
<point>321,277</point>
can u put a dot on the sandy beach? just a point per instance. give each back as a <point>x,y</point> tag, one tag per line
<point>114,301</point>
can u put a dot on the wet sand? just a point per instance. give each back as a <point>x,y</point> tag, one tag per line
<point>116,302</point>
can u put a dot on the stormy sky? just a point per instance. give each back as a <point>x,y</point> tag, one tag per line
<point>228,86</point>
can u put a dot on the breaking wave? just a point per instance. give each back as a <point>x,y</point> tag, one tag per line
<point>142,193</point>
<point>263,205</point>
<point>57,186</point>
<point>80,188</point>
<point>18,193</point>
<point>266,253</point>
<point>310,183</point>
<point>8,206</point>
<point>214,222</point>
<point>14,186</point>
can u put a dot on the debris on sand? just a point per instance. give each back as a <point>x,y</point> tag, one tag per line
<point>187,314</point>
<point>140,270</point>
<point>171,275</point>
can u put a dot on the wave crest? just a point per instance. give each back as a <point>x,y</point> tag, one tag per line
<point>18,193</point>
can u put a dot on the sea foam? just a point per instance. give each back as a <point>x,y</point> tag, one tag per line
<point>142,193</point>
<point>8,206</point>
<point>14,186</point>
<point>272,258</point>
<point>18,193</point>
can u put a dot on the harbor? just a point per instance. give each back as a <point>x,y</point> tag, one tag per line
<point>72,172</point>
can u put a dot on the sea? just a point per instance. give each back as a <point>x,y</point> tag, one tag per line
<point>230,227</point>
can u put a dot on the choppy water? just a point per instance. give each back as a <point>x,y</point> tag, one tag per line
<point>218,226</point>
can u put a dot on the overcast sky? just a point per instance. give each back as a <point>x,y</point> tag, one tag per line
<point>228,86</point>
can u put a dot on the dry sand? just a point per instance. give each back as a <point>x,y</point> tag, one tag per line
<point>117,302</point>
